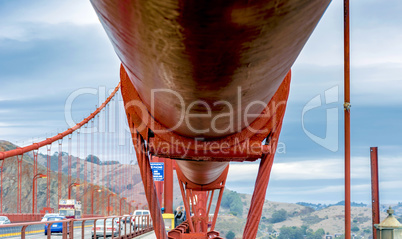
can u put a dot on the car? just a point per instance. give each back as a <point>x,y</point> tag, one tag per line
<point>47,215</point>
<point>126,218</point>
<point>57,226</point>
<point>137,221</point>
<point>4,220</point>
<point>100,227</point>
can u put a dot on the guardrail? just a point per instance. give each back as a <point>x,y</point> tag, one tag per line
<point>23,217</point>
<point>133,227</point>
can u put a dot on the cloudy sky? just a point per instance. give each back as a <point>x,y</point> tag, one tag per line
<point>50,50</point>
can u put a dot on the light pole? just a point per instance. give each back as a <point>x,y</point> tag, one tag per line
<point>108,203</point>
<point>120,204</point>
<point>133,201</point>
<point>70,188</point>
<point>92,198</point>
<point>39,175</point>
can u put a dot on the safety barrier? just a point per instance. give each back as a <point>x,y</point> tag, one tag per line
<point>23,217</point>
<point>128,227</point>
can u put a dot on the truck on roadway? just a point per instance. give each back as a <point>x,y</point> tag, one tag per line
<point>70,208</point>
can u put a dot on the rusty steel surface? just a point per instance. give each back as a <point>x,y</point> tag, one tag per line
<point>375,194</point>
<point>201,172</point>
<point>197,171</point>
<point>210,51</point>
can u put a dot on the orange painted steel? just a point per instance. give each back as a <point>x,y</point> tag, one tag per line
<point>168,186</point>
<point>179,55</point>
<point>48,141</point>
<point>207,51</point>
<point>235,147</point>
<point>347,119</point>
<point>148,182</point>
<point>375,194</point>
<point>190,168</point>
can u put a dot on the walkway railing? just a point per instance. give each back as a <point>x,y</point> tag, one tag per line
<point>123,227</point>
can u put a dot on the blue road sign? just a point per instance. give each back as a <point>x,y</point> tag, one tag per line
<point>158,171</point>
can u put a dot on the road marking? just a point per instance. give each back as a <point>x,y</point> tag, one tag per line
<point>31,232</point>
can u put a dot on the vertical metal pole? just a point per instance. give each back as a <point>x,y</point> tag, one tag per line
<point>1,186</point>
<point>375,200</point>
<point>69,165</point>
<point>33,194</point>
<point>49,147</point>
<point>92,202</point>
<point>347,119</point>
<point>60,170</point>
<point>19,160</point>
<point>78,168</point>
<point>35,183</point>
<point>92,152</point>
<point>168,186</point>
<point>84,202</point>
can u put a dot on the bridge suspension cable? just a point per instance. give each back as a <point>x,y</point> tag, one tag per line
<point>101,174</point>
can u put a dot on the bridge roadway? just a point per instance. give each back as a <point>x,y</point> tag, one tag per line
<point>37,232</point>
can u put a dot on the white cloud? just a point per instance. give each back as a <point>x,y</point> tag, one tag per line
<point>54,12</point>
<point>318,169</point>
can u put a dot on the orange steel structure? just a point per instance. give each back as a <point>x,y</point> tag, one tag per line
<point>181,60</point>
<point>34,186</point>
<point>375,192</point>
<point>346,105</point>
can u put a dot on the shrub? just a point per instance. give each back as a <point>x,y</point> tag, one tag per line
<point>279,216</point>
<point>230,235</point>
<point>355,229</point>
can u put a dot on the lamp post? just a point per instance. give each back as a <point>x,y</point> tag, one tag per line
<point>131,202</point>
<point>70,188</point>
<point>92,198</point>
<point>120,203</point>
<point>108,203</point>
<point>39,175</point>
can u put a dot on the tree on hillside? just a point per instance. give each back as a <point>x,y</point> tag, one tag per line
<point>230,235</point>
<point>302,232</point>
<point>290,232</point>
<point>355,229</point>
<point>232,201</point>
<point>279,216</point>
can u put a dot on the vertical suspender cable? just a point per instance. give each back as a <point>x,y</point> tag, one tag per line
<point>347,119</point>
<point>69,160</point>
<point>92,152</point>
<point>1,186</point>
<point>60,164</point>
<point>78,167</point>
<point>99,166</point>
<point>84,203</point>
<point>49,175</point>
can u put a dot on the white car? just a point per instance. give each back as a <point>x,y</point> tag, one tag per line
<point>47,215</point>
<point>101,230</point>
<point>136,221</point>
<point>4,220</point>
